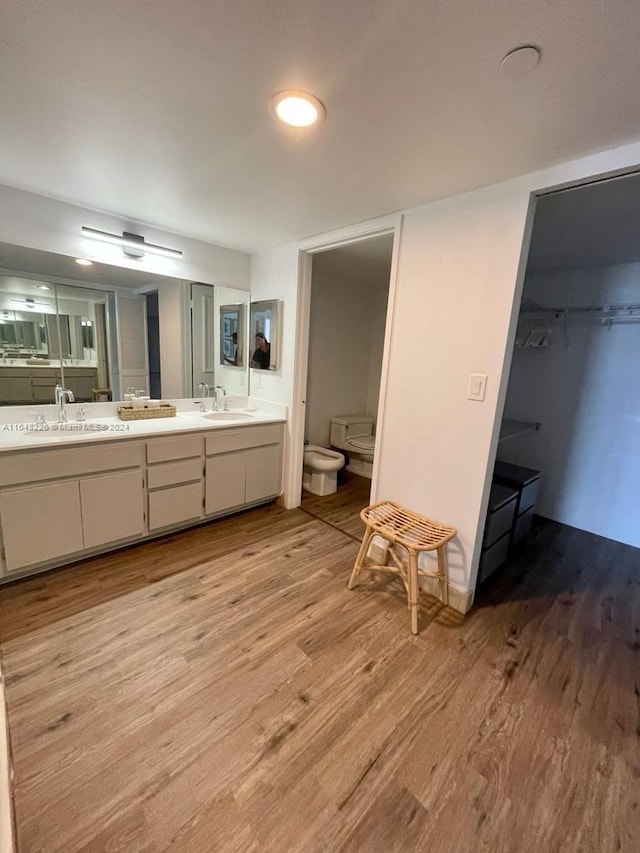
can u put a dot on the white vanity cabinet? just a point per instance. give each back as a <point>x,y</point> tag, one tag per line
<point>60,502</point>
<point>174,480</point>
<point>243,467</point>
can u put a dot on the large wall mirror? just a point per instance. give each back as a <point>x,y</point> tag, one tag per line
<point>100,327</point>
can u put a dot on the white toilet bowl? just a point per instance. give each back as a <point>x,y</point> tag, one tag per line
<point>320,469</point>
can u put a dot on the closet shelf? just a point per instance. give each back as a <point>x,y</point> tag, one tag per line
<point>510,428</point>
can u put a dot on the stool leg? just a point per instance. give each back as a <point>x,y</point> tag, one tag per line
<point>442,569</point>
<point>362,554</point>
<point>413,590</point>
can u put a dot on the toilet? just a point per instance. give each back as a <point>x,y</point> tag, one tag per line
<point>320,469</point>
<point>355,435</point>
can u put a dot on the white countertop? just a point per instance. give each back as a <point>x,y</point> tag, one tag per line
<point>20,435</point>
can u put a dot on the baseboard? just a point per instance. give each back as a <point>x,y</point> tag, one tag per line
<point>460,599</point>
<point>6,802</point>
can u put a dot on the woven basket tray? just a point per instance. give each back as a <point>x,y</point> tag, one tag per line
<point>128,413</point>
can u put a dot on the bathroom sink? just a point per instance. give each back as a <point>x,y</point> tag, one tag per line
<point>228,416</point>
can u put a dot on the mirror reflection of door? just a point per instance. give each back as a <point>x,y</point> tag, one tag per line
<point>202,336</point>
<point>231,335</point>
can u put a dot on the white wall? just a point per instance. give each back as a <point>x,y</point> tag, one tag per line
<point>233,379</point>
<point>587,396</point>
<point>457,292</point>
<point>345,351</point>
<point>274,275</point>
<point>54,226</point>
<point>379,302</point>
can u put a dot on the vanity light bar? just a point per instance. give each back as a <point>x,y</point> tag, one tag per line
<point>30,303</point>
<point>134,242</point>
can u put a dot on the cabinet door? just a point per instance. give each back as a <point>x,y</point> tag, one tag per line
<point>112,508</point>
<point>224,482</point>
<point>41,523</point>
<point>175,505</point>
<point>44,390</point>
<point>81,383</point>
<point>16,389</point>
<point>263,472</point>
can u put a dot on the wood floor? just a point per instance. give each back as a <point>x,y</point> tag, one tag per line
<point>342,509</point>
<point>222,690</point>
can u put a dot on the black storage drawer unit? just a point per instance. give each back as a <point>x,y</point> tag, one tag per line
<point>500,515</point>
<point>501,518</point>
<point>526,481</point>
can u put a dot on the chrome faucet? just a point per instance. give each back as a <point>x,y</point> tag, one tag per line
<point>218,405</point>
<point>61,395</point>
<point>206,389</point>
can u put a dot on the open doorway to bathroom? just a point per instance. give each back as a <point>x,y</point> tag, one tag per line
<point>347,319</point>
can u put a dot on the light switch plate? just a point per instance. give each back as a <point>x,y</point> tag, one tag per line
<point>477,387</point>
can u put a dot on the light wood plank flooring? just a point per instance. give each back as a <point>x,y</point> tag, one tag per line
<point>222,690</point>
<point>342,509</point>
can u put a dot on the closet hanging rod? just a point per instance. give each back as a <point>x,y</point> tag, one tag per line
<point>628,309</point>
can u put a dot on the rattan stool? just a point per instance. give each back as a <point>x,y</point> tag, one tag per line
<point>414,533</point>
<point>101,395</point>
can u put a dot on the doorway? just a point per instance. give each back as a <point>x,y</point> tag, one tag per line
<point>153,344</point>
<point>572,407</point>
<point>347,319</point>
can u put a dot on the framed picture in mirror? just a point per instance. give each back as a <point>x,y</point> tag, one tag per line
<point>263,334</point>
<point>232,344</point>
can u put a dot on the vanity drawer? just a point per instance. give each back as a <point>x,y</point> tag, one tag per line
<point>30,467</point>
<point>172,473</point>
<point>176,447</point>
<point>174,506</point>
<point>242,437</point>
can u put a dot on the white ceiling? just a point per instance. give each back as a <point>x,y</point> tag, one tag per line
<point>590,226</point>
<point>158,109</point>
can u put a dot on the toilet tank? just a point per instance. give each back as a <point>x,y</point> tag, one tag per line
<point>344,427</point>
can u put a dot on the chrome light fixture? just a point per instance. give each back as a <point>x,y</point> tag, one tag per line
<point>30,303</point>
<point>133,245</point>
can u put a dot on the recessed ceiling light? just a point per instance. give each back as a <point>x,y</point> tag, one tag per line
<point>520,61</point>
<point>42,287</point>
<point>84,262</point>
<point>299,109</point>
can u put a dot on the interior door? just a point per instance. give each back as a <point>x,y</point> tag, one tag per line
<point>203,336</point>
<point>133,356</point>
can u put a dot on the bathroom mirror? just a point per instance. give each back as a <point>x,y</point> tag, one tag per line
<point>88,332</point>
<point>263,335</point>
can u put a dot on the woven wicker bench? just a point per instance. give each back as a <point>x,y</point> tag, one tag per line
<point>412,532</point>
